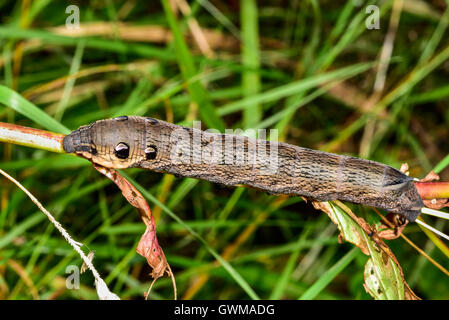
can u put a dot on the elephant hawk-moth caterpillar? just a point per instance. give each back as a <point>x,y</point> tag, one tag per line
<point>274,167</point>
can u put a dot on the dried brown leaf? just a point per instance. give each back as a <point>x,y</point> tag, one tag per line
<point>436,203</point>
<point>148,246</point>
<point>431,176</point>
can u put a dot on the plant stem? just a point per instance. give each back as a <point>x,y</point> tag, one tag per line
<point>30,137</point>
<point>433,190</point>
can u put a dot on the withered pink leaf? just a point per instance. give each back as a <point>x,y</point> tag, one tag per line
<point>148,246</point>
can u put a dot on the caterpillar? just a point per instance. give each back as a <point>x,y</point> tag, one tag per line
<point>274,167</point>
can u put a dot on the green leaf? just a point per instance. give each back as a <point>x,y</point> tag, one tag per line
<point>329,275</point>
<point>251,85</point>
<point>188,70</point>
<point>15,101</point>
<point>383,276</point>
<point>383,281</point>
<point>295,87</point>
<point>49,38</point>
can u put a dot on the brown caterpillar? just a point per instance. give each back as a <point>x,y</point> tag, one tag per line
<point>277,168</point>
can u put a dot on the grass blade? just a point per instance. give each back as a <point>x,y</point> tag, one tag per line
<point>15,101</point>
<point>329,275</point>
<point>188,70</point>
<point>251,85</point>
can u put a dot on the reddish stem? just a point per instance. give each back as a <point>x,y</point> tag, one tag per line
<point>433,190</point>
<point>31,137</point>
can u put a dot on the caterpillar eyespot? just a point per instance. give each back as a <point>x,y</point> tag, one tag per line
<point>152,120</point>
<point>121,150</point>
<point>121,118</point>
<point>151,152</point>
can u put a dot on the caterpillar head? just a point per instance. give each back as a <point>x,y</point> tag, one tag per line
<point>113,143</point>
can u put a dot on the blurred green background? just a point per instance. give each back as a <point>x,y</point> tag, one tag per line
<point>322,72</point>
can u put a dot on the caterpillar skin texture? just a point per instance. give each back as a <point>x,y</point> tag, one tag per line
<point>131,141</point>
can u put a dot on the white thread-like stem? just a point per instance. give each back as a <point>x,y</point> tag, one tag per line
<point>425,225</point>
<point>436,213</point>
<point>102,290</point>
